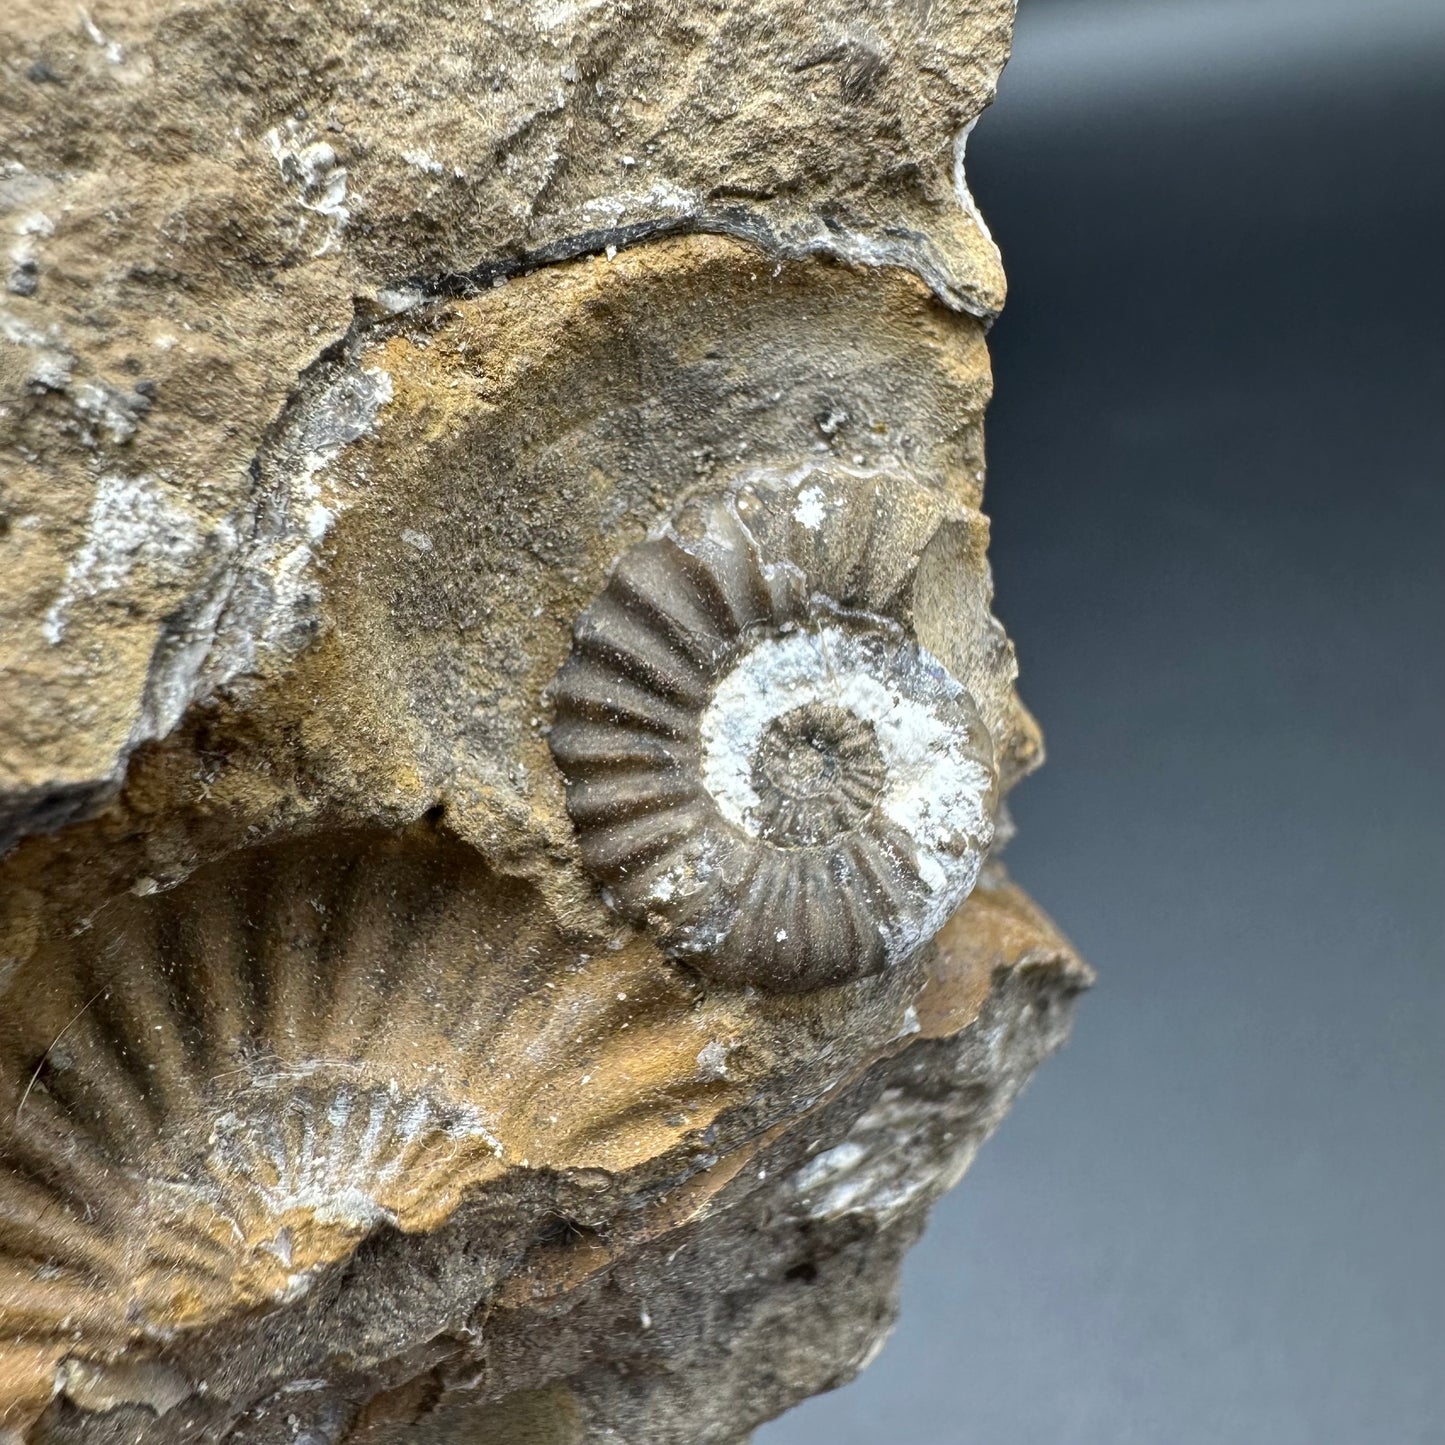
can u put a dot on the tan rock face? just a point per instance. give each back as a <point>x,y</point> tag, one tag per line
<point>501,697</point>
<point>201,199</point>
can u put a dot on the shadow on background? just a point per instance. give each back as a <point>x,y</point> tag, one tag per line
<point>1217,478</point>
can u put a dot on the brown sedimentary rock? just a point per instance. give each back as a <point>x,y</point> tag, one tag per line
<point>438,443</point>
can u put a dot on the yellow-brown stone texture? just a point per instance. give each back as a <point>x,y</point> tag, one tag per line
<point>344,349</point>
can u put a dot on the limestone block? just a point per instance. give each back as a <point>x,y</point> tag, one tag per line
<point>505,739</point>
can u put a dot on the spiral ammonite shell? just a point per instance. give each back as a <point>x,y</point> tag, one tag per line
<point>762,763</point>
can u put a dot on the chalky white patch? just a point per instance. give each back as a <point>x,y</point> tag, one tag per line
<point>314,170</point>
<point>712,1060</point>
<point>960,181</point>
<point>809,511</point>
<point>270,605</point>
<point>936,791</point>
<point>902,1150</point>
<point>424,161</point>
<point>112,48</point>
<point>132,524</point>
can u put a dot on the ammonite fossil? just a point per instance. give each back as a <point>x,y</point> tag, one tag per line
<point>762,763</point>
<point>214,1095</point>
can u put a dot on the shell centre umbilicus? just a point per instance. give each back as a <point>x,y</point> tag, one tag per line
<point>814,728</point>
<point>817,772</point>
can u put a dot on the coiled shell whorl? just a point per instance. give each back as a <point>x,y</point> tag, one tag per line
<point>763,764</point>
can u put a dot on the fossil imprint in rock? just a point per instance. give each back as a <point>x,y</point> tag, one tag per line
<point>763,764</point>
<point>222,1089</point>
<point>336,1104</point>
<point>322,1059</point>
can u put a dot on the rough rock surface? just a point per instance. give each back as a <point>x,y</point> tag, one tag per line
<point>343,351</point>
<point>204,199</point>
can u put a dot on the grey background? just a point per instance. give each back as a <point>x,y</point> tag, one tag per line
<point>1216,467</point>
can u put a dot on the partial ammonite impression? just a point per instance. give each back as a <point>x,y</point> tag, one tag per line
<point>211,1097</point>
<point>763,764</point>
